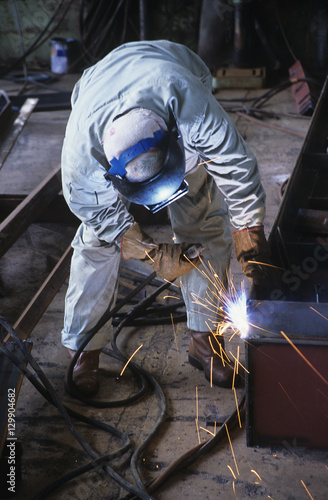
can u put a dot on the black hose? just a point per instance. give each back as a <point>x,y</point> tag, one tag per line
<point>141,491</point>
<point>55,399</point>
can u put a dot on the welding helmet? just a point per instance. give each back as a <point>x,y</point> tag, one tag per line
<point>166,182</point>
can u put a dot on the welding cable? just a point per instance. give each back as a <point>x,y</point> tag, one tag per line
<point>133,312</point>
<point>151,321</point>
<point>99,26</point>
<point>258,101</point>
<point>162,406</point>
<point>90,421</point>
<point>201,450</point>
<point>143,495</point>
<point>90,465</point>
<point>21,44</point>
<point>198,451</point>
<point>155,315</point>
<point>261,100</point>
<point>47,395</point>
<point>157,388</point>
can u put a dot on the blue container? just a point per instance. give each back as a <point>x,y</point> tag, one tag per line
<point>65,55</point>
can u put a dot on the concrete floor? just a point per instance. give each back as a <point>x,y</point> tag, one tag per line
<point>50,450</point>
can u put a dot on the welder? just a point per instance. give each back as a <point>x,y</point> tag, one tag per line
<point>145,128</point>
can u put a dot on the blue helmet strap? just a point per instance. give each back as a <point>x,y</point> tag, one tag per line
<point>118,165</point>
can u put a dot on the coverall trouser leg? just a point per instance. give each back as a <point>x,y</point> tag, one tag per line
<point>92,289</point>
<point>201,217</point>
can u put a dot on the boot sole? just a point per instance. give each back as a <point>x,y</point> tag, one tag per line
<point>197,364</point>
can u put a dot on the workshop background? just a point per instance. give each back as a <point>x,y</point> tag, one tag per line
<point>158,425</point>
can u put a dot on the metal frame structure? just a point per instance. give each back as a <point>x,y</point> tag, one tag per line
<point>287,346</point>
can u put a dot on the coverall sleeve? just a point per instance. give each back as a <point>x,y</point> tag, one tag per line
<point>232,164</point>
<point>92,199</point>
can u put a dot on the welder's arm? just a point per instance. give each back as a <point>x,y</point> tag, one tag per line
<point>253,252</point>
<point>167,259</point>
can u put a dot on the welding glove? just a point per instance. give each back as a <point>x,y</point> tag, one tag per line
<point>167,259</point>
<point>253,252</point>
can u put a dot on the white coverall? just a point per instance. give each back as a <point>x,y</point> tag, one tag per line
<point>154,75</point>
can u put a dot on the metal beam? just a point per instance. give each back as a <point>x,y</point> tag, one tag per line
<point>42,299</point>
<point>7,143</point>
<point>18,221</point>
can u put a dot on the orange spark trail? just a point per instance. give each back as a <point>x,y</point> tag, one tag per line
<point>207,161</point>
<point>128,361</point>
<point>222,351</point>
<point>266,264</point>
<point>256,474</point>
<point>206,430</point>
<point>237,406</point>
<point>324,317</point>
<point>239,363</point>
<point>232,472</point>
<point>211,384</point>
<point>196,419</point>
<point>307,490</point>
<point>233,453</point>
<point>292,402</point>
<point>304,358</point>
<point>196,403</point>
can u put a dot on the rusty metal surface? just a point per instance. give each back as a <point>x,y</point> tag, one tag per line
<point>287,344</point>
<point>287,398</point>
<point>304,100</point>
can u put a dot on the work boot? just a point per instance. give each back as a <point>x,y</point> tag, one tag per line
<point>200,354</point>
<point>85,372</point>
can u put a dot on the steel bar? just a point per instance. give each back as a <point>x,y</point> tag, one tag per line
<point>40,302</point>
<point>7,143</point>
<point>54,101</point>
<point>17,222</point>
<point>297,319</point>
<point>55,212</point>
<point>313,221</point>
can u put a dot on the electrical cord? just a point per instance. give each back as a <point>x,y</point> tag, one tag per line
<point>156,315</point>
<point>21,44</point>
<point>95,423</point>
<point>258,101</point>
<point>140,491</point>
<point>103,26</point>
<point>158,390</point>
<point>98,463</point>
<point>255,113</point>
<point>200,450</point>
<point>65,414</point>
